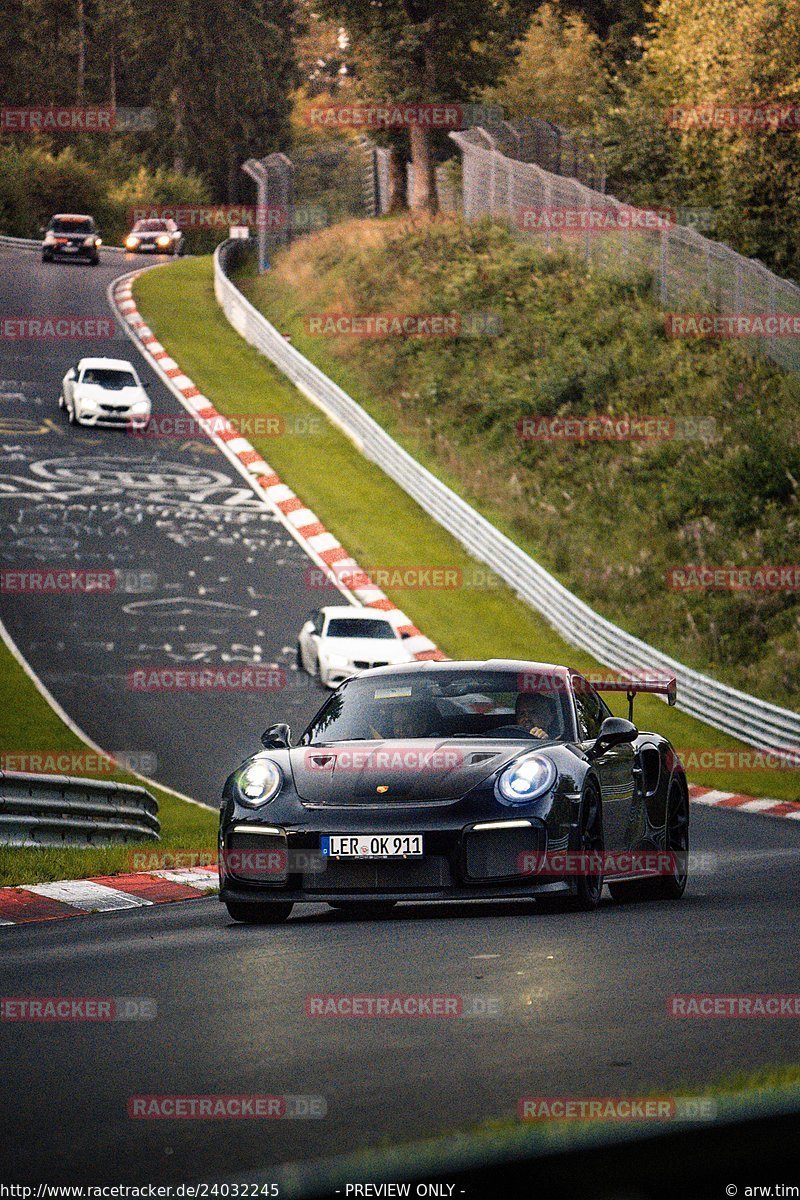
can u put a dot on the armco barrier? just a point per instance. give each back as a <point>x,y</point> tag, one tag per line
<point>754,721</point>
<point>16,243</point>
<point>57,810</point>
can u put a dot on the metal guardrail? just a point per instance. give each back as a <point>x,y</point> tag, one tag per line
<point>754,721</point>
<point>59,810</point>
<point>36,243</point>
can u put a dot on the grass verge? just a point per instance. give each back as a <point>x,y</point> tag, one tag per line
<point>512,1137</point>
<point>30,725</point>
<point>378,523</point>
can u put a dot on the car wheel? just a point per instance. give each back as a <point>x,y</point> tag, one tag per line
<point>300,666</point>
<point>664,887</point>
<point>95,261</point>
<point>46,258</point>
<point>364,908</point>
<point>588,888</point>
<point>258,914</point>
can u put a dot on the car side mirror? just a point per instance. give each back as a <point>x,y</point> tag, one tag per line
<point>146,385</point>
<point>277,737</point>
<point>72,373</point>
<point>615,731</point>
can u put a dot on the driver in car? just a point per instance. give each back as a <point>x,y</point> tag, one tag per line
<point>535,714</point>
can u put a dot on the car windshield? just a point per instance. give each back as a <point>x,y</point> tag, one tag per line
<point>447,704</point>
<point>109,377</point>
<point>72,225</point>
<point>151,227</point>
<point>359,627</point>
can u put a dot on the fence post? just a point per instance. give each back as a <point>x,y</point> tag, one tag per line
<point>587,232</point>
<point>663,266</point>
<point>548,202</point>
<point>257,171</point>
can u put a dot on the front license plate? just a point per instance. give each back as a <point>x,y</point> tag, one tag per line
<point>372,845</point>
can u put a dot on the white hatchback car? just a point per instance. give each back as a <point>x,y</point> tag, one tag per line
<point>339,641</point>
<point>105,391</point>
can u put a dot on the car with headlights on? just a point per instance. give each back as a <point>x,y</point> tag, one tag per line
<point>105,391</point>
<point>438,781</point>
<point>340,640</point>
<point>72,235</point>
<point>155,236</point>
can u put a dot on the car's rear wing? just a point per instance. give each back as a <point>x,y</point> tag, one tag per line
<point>662,685</point>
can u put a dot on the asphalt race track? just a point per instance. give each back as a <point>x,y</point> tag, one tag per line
<point>583,1011</point>
<point>582,998</point>
<point>207,576</point>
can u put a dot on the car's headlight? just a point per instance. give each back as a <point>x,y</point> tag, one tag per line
<point>259,782</point>
<point>98,241</point>
<point>526,779</point>
<point>131,241</point>
<point>89,401</point>
<point>89,241</point>
<point>144,403</point>
<point>163,240</point>
<point>337,660</point>
<point>49,238</point>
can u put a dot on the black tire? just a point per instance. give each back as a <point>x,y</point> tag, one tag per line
<point>364,908</point>
<point>95,262</point>
<point>259,914</point>
<point>299,658</point>
<point>46,258</point>
<point>588,889</point>
<point>664,887</point>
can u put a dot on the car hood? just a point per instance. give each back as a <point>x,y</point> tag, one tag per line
<point>413,770</point>
<point>386,650</point>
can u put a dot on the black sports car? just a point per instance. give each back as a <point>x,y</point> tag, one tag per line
<point>455,781</point>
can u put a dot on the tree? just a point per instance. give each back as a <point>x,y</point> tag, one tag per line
<point>427,51</point>
<point>724,53</point>
<point>558,74</point>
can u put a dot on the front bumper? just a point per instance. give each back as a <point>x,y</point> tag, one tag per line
<point>112,420</point>
<point>481,860</point>
<point>148,248</point>
<point>71,251</point>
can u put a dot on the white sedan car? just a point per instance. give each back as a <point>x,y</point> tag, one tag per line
<point>104,391</point>
<point>340,641</point>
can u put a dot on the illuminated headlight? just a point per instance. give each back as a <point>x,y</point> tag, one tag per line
<point>49,239</point>
<point>523,781</point>
<point>259,782</point>
<point>98,241</point>
<point>162,241</point>
<point>131,242</point>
